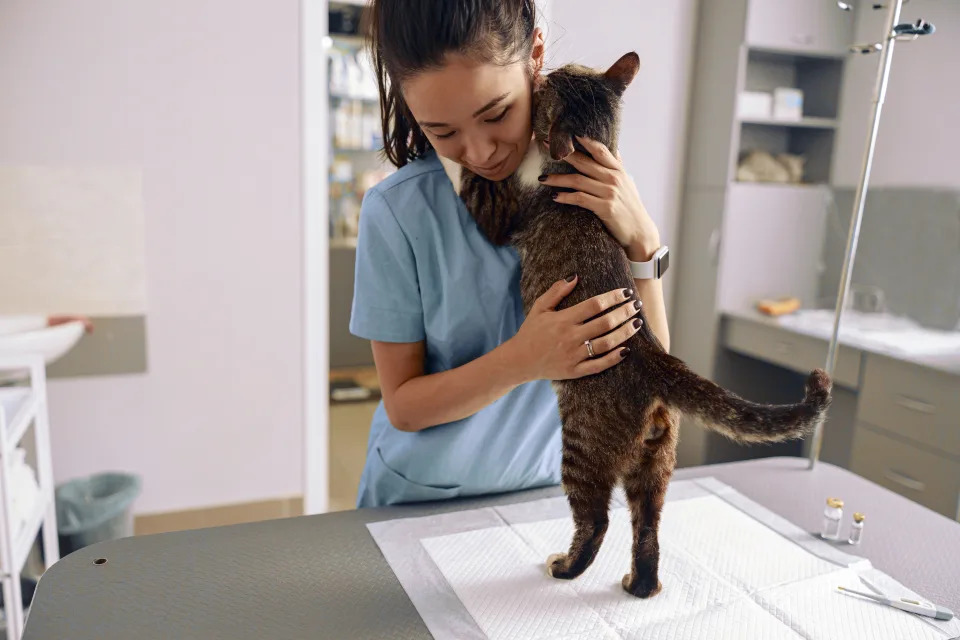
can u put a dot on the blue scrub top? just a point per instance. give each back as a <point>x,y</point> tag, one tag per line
<point>425,271</point>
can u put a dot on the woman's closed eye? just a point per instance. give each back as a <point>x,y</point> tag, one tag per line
<point>500,116</point>
<point>495,119</point>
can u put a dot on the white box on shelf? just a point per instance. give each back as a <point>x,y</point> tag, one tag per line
<point>754,104</point>
<point>787,103</point>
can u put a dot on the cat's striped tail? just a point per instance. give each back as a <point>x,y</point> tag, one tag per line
<point>744,421</point>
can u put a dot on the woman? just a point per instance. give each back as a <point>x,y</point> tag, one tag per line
<point>467,404</point>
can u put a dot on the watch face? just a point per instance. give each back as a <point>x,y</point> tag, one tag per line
<point>663,263</point>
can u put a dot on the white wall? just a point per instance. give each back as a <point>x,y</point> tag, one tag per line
<point>919,139</point>
<point>203,97</point>
<point>653,134</point>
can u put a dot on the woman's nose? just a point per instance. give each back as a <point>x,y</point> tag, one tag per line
<point>479,151</point>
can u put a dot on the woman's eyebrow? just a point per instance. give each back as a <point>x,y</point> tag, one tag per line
<point>491,104</point>
<point>481,110</point>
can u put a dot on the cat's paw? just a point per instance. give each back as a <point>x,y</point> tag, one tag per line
<point>556,565</point>
<point>641,588</point>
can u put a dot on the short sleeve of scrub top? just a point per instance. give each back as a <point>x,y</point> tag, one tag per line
<point>425,272</point>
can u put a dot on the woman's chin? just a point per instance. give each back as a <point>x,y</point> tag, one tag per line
<point>502,173</point>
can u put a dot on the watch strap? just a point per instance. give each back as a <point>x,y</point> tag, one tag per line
<point>652,269</point>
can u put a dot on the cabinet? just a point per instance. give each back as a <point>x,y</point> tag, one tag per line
<point>811,26</point>
<point>790,350</point>
<point>916,403</point>
<point>915,473</point>
<point>894,422</point>
<point>908,432</point>
<point>754,46</point>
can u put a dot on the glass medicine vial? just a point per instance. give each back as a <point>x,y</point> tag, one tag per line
<point>856,529</point>
<point>831,519</point>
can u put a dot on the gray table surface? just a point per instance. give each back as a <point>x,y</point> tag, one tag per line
<point>324,577</point>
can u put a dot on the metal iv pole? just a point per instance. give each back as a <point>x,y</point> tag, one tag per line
<point>893,31</point>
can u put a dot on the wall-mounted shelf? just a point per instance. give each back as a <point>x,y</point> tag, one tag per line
<point>787,53</point>
<point>358,98</point>
<point>803,123</point>
<point>784,187</point>
<point>355,150</point>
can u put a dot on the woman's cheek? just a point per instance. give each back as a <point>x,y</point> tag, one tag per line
<point>519,129</point>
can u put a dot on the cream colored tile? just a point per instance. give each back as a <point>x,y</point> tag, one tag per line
<point>77,237</point>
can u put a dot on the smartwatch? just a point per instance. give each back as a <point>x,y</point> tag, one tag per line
<point>654,268</point>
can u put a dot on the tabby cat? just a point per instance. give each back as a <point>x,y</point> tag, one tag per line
<point>619,426</point>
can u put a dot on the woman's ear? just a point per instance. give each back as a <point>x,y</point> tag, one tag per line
<point>538,51</point>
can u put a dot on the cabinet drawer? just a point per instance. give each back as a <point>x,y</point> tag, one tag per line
<point>783,24</point>
<point>812,26</point>
<point>918,475</point>
<point>916,402</point>
<point>789,349</point>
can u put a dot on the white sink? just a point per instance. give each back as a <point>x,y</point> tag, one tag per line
<point>19,338</point>
<point>883,332</point>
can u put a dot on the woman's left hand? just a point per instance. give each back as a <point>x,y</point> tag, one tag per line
<point>605,189</point>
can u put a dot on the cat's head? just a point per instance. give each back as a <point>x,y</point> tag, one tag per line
<point>578,101</point>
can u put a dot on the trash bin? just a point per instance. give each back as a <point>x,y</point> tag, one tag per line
<point>95,509</point>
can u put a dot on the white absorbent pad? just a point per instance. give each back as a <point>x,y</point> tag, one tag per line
<point>730,569</point>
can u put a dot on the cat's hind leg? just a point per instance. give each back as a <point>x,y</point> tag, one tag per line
<point>588,483</point>
<point>590,521</point>
<point>645,483</point>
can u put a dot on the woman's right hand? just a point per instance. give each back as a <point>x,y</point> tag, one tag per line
<point>550,344</point>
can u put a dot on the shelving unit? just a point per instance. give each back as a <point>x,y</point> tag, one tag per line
<point>21,407</point>
<point>356,164</point>
<point>742,241</point>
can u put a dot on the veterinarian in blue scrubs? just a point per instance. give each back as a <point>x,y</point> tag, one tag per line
<point>468,408</point>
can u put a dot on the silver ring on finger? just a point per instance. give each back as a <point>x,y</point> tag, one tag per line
<point>590,353</point>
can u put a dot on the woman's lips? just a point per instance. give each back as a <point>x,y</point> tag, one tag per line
<point>493,167</point>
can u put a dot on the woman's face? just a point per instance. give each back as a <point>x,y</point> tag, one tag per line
<point>477,114</point>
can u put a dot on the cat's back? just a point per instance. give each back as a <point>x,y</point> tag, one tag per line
<point>560,240</point>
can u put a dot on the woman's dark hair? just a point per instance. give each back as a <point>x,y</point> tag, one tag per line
<point>410,36</point>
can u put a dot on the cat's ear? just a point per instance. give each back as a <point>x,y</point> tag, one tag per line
<point>623,71</point>
<point>561,142</point>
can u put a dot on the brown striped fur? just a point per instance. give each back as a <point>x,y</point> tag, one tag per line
<point>619,426</point>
